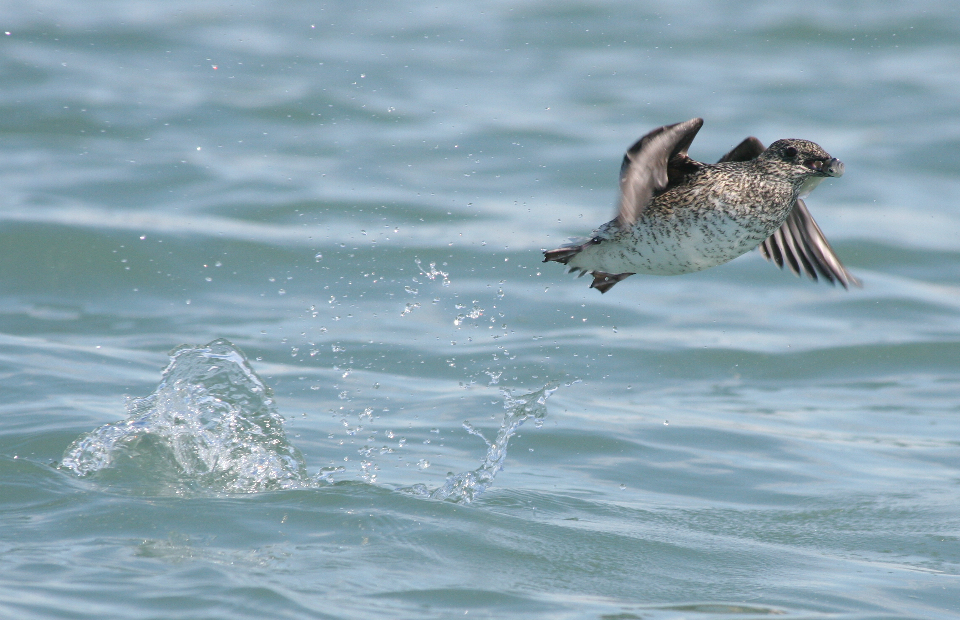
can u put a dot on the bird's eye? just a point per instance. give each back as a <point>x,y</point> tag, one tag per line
<point>790,152</point>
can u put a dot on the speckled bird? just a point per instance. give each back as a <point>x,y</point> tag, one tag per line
<point>678,215</point>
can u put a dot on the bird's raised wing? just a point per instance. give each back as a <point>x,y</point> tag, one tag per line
<point>644,171</point>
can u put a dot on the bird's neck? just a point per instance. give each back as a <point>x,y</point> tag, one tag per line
<point>808,185</point>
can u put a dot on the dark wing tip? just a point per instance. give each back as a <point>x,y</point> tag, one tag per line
<point>749,149</point>
<point>686,132</point>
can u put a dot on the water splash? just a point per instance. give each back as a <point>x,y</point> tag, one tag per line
<point>434,272</point>
<point>465,487</point>
<point>211,424</point>
<point>475,313</point>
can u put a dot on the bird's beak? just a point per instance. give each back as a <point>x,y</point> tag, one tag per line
<point>827,167</point>
<point>833,168</point>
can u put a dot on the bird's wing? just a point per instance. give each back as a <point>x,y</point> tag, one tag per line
<point>745,151</point>
<point>800,244</point>
<point>645,166</point>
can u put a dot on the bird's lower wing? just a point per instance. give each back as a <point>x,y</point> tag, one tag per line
<point>799,243</point>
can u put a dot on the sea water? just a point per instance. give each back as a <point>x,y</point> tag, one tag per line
<point>276,340</point>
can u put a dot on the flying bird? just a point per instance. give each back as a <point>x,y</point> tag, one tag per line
<point>678,215</point>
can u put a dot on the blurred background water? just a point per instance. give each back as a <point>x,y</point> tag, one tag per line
<point>355,195</point>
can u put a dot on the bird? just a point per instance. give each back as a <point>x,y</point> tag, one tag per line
<point>677,215</point>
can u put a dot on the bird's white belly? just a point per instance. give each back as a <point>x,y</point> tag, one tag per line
<point>674,246</point>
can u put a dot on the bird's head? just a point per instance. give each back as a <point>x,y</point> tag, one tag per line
<point>801,162</point>
<point>804,158</point>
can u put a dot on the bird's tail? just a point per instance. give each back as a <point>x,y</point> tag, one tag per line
<point>602,281</point>
<point>564,253</point>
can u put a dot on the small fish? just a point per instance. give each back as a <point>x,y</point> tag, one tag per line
<point>678,215</point>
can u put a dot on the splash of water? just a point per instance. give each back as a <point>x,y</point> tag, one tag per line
<point>211,424</point>
<point>465,487</point>
<point>434,272</point>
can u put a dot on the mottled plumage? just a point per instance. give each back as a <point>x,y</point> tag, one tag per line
<point>678,215</point>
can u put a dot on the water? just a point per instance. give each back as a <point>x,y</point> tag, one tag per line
<point>381,403</point>
<point>211,422</point>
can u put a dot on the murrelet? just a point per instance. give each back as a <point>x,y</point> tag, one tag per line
<point>678,215</point>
